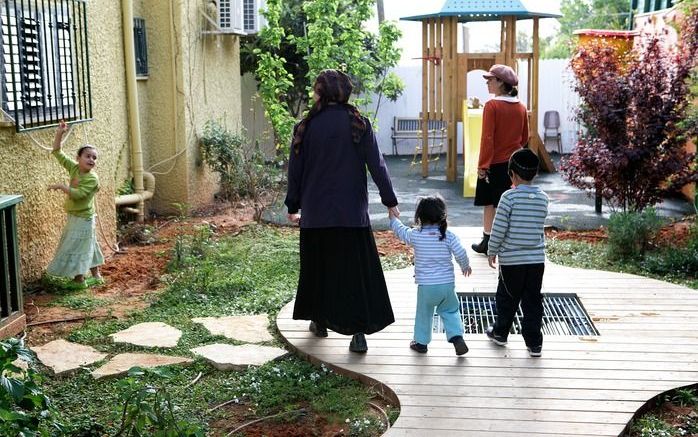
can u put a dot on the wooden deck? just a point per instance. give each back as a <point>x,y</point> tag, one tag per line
<point>582,386</point>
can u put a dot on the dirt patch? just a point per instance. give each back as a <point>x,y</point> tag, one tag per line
<point>682,419</point>
<point>672,234</point>
<point>389,245</point>
<point>675,234</point>
<point>591,236</point>
<point>302,422</point>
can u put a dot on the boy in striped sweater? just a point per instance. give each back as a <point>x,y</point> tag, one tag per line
<point>434,250</point>
<point>519,242</point>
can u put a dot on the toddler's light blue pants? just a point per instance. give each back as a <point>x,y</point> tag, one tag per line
<point>443,298</point>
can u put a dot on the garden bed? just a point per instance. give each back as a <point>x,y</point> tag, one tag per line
<point>143,284</point>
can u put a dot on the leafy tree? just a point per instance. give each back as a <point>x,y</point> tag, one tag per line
<point>584,14</point>
<point>304,37</point>
<point>632,107</point>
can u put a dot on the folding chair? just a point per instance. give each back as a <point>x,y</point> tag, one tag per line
<point>551,125</point>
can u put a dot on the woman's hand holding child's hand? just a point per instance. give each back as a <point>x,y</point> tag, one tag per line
<point>393,212</point>
<point>294,218</point>
<point>468,271</point>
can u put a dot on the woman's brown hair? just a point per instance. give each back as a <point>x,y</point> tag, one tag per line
<point>333,87</point>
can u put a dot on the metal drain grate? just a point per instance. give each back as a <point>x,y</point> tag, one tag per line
<point>563,314</point>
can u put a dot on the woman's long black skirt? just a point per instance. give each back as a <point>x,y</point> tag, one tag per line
<point>341,283</point>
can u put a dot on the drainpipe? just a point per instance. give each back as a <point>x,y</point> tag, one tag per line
<point>133,116</point>
<point>134,199</point>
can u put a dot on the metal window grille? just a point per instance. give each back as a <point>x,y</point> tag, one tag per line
<point>141,46</point>
<point>45,68</point>
<point>563,314</point>
<point>10,278</point>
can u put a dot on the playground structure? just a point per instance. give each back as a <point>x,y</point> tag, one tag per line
<point>444,69</point>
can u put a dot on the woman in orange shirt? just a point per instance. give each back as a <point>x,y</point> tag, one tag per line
<point>504,131</point>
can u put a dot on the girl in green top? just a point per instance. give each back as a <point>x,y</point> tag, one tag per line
<point>78,250</point>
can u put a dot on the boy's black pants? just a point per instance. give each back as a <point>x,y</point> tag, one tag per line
<point>520,283</point>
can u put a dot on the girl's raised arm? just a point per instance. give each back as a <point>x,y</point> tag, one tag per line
<point>60,131</point>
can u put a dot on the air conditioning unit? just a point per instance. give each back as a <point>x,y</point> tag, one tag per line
<point>230,16</point>
<point>252,20</point>
<point>240,17</point>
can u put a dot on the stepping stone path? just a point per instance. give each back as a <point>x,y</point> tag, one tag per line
<point>63,356</point>
<point>149,334</point>
<point>250,329</point>
<point>229,357</point>
<point>120,364</point>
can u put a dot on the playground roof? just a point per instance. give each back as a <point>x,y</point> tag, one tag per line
<point>491,10</point>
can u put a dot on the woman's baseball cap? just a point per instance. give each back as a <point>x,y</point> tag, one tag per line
<point>504,73</point>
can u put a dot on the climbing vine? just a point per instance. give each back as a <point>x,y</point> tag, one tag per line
<point>274,81</point>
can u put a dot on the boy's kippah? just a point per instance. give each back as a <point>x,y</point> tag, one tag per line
<point>524,163</point>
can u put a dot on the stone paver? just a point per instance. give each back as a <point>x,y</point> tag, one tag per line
<point>63,356</point>
<point>121,363</point>
<point>149,334</point>
<point>18,363</point>
<point>229,357</point>
<point>251,329</point>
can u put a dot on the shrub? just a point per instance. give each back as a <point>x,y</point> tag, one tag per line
<point>629,233</point>
<point>632,106</point>
<point>148,409</point>
<point>24,408</point>
<point>242,169</point>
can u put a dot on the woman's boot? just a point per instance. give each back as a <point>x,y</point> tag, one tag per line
<point>481,247</point>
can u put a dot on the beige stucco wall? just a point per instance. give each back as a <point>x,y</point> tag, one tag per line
<point>28,170</point>
<point>211,65</point>
<point>192,78</point>
<point>172,111</point>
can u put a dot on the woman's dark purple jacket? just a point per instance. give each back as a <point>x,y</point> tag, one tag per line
<point>327,178</point>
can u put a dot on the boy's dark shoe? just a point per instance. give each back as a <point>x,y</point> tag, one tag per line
<point>317,329</point>
<point>459,345</point>
<point>496,339</point>
<point>358,344</point>
<point>535,351</point>
<point>419,347</point>
<point>481,247</point>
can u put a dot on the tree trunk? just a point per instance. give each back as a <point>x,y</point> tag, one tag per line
<point>381,12</point>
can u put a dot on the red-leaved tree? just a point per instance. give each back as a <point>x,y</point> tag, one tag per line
<point>633,151</point>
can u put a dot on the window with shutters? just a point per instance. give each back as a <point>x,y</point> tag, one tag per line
<point>141,47</point>
<point>45,68</point>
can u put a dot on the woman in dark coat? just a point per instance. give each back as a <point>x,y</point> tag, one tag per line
<point>341,284</point>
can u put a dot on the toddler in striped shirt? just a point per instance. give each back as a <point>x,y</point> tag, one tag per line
<point>434,250</point>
